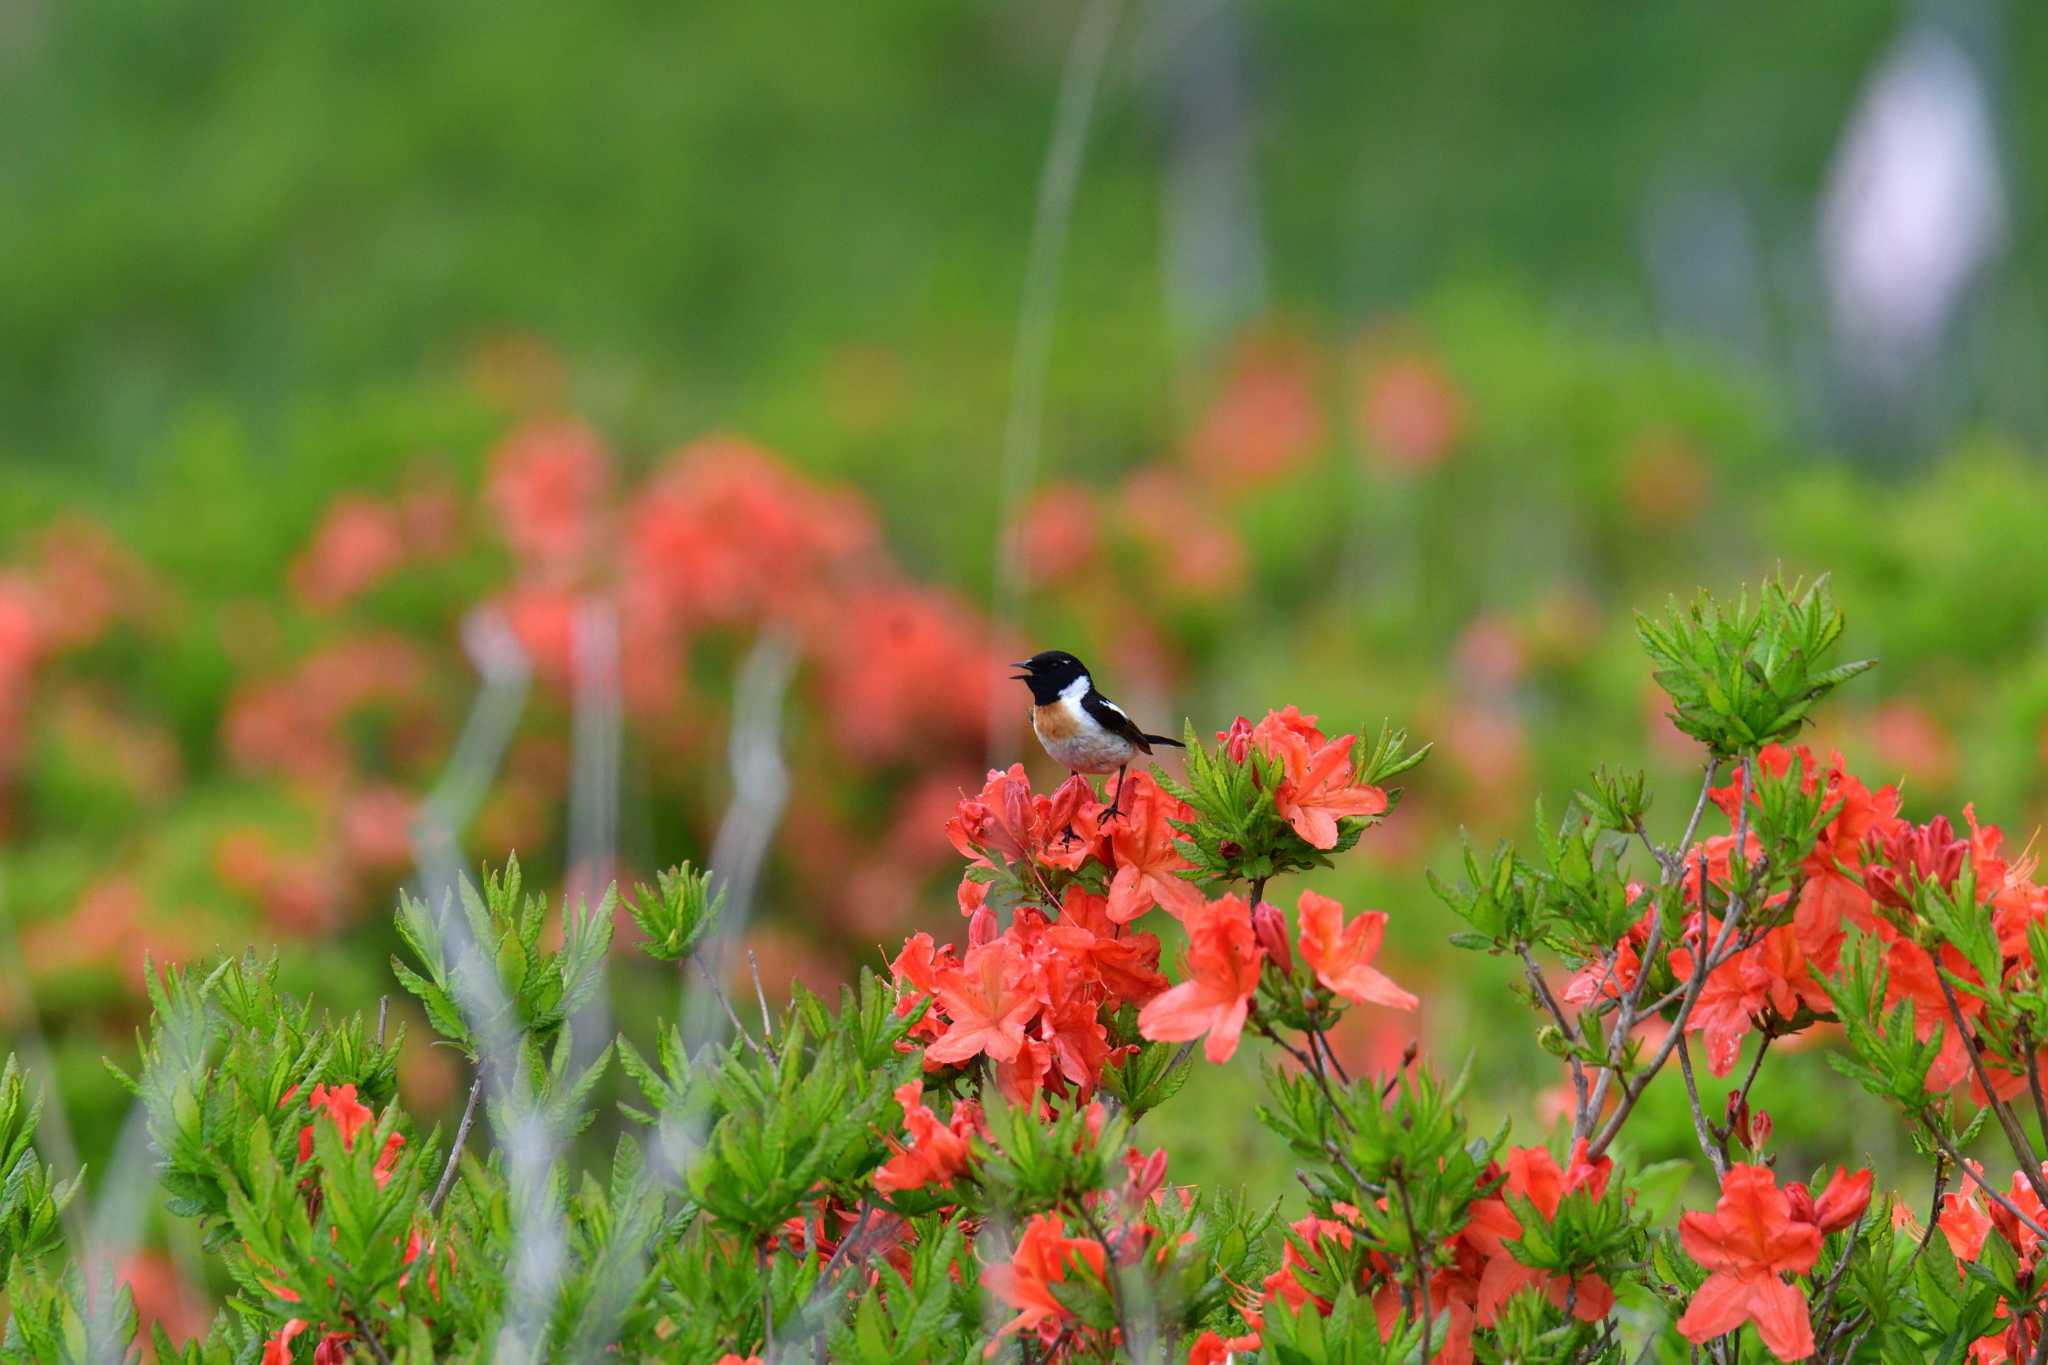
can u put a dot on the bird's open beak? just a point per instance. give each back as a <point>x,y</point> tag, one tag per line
<point>1025,676</point>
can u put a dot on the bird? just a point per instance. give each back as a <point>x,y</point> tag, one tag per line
<point>1083,731</point>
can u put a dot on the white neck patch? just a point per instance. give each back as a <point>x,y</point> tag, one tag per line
<point>1076,689</point>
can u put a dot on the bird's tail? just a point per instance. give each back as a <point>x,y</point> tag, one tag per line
<point>1165,739</point>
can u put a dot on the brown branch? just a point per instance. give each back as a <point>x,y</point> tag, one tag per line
<point>1948,1150</point>
<point>1716,1150</point>
<point>1421,1262</point>
<point>2014,1134</point>
<point>718,994</point>
<point>1112,1276</point>
<point>1571,1035</point>
<point>476,1090</point>
<point>2034,1081</point>
<point>1632,1091</point>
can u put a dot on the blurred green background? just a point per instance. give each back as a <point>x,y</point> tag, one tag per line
<point>1398,352</point>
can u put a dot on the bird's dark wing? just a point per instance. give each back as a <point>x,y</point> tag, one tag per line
<point>1167,739</point>
<point>1111,717</point>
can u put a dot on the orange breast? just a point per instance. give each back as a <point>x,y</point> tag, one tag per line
<point>1055,722</point>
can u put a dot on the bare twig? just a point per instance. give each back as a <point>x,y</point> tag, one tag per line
<point>2030,1165</point>
<point>369,1339</point>
<point>1421,1263</point>
<point>2034,1082</point>
<point>761,997</point>
<point>1827,1297</point>
<point>476,1089</point>
<point>383,1007</point>
<point>1570,1032</point>
<point>1112,1276</point>
<point>1716,1151</point>
<point>739,1029</point>
<point>1632,1091</point>
<point>1329,1054</point>
<point>1942,1171</point>
<point>1948,1150</point>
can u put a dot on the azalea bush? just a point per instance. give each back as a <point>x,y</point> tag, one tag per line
<point>952,1162</point>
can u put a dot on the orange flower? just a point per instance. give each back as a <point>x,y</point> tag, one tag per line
<point>940,1151</point>
<point>1839,1205</point>
<point>987,1007</point>
<point>1211,1349</point>
<point>340,1106</point>
<point>548,485</point>
<point>1044,1257</point>
<point>359,543</point>
<point>1148,865</point>
<point>1223,971</point>
<point>1125,965</point>
<point>1317,788</point>
<point>1747,1242</point>
<point>1342,954</point>
<point>1533,1174</point>
<point>1282,1284</point>
<point>278,1349</point>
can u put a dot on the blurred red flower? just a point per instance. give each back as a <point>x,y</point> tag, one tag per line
<point>1266,421</point>
<point>1044,1256</point>
<point>1410,414</point>
<point>549,485</point>
<point>358,544</point>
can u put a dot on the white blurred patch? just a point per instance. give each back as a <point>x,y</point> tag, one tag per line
<point>1914,207</point>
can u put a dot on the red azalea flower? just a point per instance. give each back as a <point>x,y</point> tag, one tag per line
<point>341,1107</point>
<point>986,1007</point>
<point>1749,1240</point>
<point>1124,965</point>
<point>278,1349</point>
<point>1839,1205</point>
<point>1318,788</point>
<point>1148,865</point>
<point>938,1154</point>
<point>548,485</point>
<point>1282,1284</point>
<point>1342,954</point>
<point>1223,971</point>
<point>1532,1173</point>
<point>1045,1256</point>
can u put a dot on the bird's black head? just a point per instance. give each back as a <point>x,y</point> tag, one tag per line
<point>1050,672</point>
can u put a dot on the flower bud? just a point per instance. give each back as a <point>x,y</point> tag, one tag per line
<point>981,927</point>
<point>1269,926</point>
<point>1237,740</point>
<point>1843,1201</point>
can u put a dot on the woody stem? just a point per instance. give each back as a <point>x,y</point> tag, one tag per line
<point>1110,1275</point>
<point>1948,1150</point>
<point>476,1090</point>
<point>1571,1035</point>
<point>2030,1165</point>
<point>1421,1262</point>
<point>1716,1152</point>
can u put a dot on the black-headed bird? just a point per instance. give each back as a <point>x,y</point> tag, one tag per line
<point>1084,731</point>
